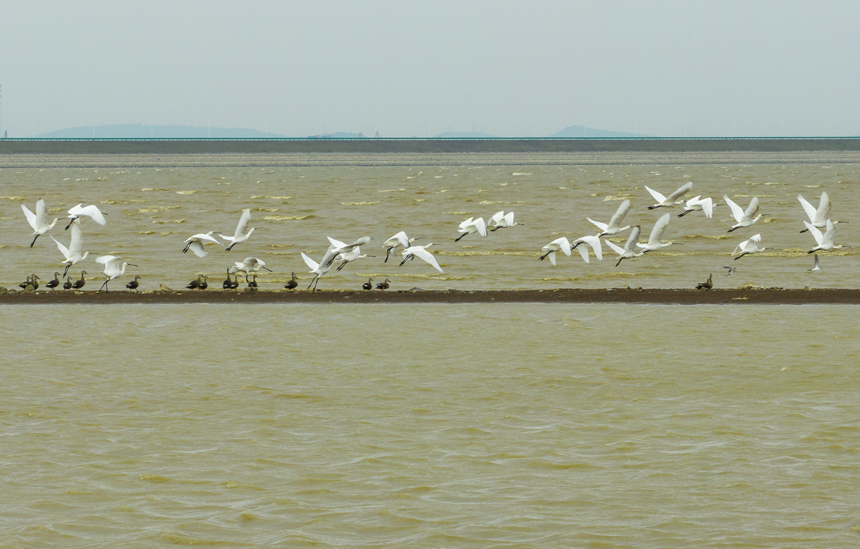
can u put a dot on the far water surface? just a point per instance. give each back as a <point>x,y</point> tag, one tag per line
<point>429,426</point>
<point>151,211</point>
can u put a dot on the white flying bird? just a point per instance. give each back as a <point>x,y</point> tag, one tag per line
<point>421,253</point>
<point>92,211</point>
<point>629,250</point>
<point>501,220</point>
<point>743,218</point>
<point>195,243</point>
<point>400,239</point>
<point>558,245</point>
<point>666,201</point>
<point>655,241</point>
<point>472,225</point>
<point>316,269</point>
<point>824,241</point>
<point>697,203</point>
<point>749,246</point>
<point>39,220</point>
<point>249,265</point>
<point>613,226</point>
<point>73,252</point>
<point>817,217</point>
<point>585,241</point>
<point>243,232</point>
<point>114,267</point>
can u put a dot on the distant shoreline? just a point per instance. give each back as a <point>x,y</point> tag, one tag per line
<point>430,145</point>
<point>736,296</point>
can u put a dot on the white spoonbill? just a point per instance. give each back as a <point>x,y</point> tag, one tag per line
<point>824,241</point>
<point>337,247</point>
<point>472,225</point>
<point>195,243</point>
<point>502,220</point>
<point>749,246</point>
<point>73,252</point>
<point>317,269</point>
<point>250,265</point>
<point>421,253</point>
<point>744,218</point>
<point>38,220</point>
<point>817,217</point>
<point>243,232</point>
<point>617,218</point>
<point>114,267</point>
<point>589,240</point>
<point>92,211</point>
<point>629,250</point>
<point>655,241</point>
<point>400,239</point>
<point>697,203</point>
<point>667,201</point>
<point>349,256</point>
<point>558,245</point>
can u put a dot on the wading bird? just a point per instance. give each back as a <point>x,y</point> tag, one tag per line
<point>250,265</point>
<point>817,217</point>
<point>91,211</point>
<point>617,218</point>
<point>400,239</point>
<point>421,253</point>
<point>749,246</point>
<point>114,268</point>
<point>586,241</point>
<point>558,245</point>
<point>347,257</point>
<point>672,199</point>
<point>629,250</point>
<point>744,218</point>
<point>824,241</point>
<point>698,203</point>
<point>292,284</point>
<point>195,243</point>
<point>470,226</point>
<point>316,269</point>
<point>384,285</point>
<point>655,241</point>
<point>243,232</point>
<point>73,252</point>
<point>502,220</point>
<point>39,220</point>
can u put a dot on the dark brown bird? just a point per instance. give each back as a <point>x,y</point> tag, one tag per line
<point>253,282</point>
<point>199,284</point>
<point>67,285</point>
<point>27,282</point>
<point>235,283</point>
<point>292,284</point>
<point>383,285</point>
<point>134,284</point>
<point>367,285</point>
<point>54,283</point>
<point>80,283</point>
<point>707,285</point>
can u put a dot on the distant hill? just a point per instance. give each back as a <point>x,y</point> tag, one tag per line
<point>139,131</point>
<point>468,135</point>
<point>338,135</point>
<point>583,131</point>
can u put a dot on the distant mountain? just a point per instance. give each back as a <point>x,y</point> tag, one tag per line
<point>583,131</point>
<point>139,131</point>
<point>338,135</point>
<point>469,135</point>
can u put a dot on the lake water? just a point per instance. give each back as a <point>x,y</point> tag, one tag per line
<point>509,425</point>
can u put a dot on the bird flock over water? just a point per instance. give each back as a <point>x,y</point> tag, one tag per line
<point>339,254</point>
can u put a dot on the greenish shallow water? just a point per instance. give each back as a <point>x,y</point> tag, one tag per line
<point>429,426</point>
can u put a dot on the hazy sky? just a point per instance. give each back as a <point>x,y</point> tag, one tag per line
<point>406,68</point>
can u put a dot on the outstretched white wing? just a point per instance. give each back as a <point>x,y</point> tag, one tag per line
<point>615,247</point>
<point>197,248</point>
<point>823,208</point>
<point>481,226</point>
<point>312,265</point>
<point>421,253</point>
<point>90,211</point>
<point>737,212</point>
<point>242,227</point>
<point>601,226</point>
<point>632,240</point>
<point>815,232</point>
<point>752,209</point>
<point>657,196</point>
<point>657,231</point>
<point>63,249</point>
<point>31,217</point>
<point>620,214</point>
<point>808,208</point>
<point>680,191</point>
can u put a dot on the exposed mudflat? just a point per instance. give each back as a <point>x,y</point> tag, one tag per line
<point>758,296</point>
